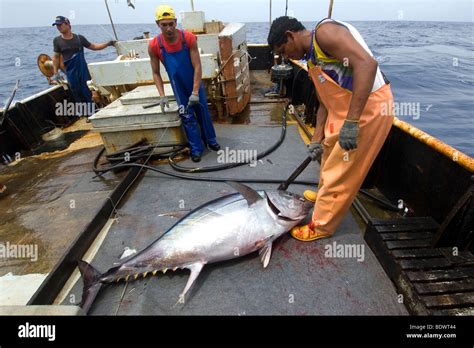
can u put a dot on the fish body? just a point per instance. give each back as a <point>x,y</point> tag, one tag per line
<point>226,228</point>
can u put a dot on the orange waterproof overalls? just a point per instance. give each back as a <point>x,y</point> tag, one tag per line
<point>343,172</point>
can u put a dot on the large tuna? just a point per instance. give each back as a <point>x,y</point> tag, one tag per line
<point>223,229</point>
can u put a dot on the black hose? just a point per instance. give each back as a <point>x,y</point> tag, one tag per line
<point>136,153</point>
<point>380,201</point>
<point>141,151</point>
<point>207,169</point>
<point>196,178</point>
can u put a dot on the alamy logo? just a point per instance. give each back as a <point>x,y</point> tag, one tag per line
<point>37,331</point>
<point>345,251</point>
<point>400,109</point>
<point>74,109</point>
<point>237,156</point>
<point>19,251</point>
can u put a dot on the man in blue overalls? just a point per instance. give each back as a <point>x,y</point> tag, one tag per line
<point>178,52</point>
<point>71,47</point>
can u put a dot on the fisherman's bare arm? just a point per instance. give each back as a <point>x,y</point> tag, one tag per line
<point>338,42</point>
<point>56,59</point>
<point>196,62</point>
<point>100,46</point>
<point>155,69</point>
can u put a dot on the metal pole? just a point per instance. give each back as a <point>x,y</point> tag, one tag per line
<point>192,5</point>
<point>286,8</point>
<point>284,185</point>
<point>113,27</point>
<point>331,2</point>
<point>270,13</point>
<point>7,105</point>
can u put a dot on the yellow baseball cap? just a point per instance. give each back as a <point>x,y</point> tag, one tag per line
<point>164,12</point>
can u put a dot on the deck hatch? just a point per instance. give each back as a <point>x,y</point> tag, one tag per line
<point>433,281</point>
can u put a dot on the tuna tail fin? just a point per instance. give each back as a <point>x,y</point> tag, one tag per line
<point>92,284</point>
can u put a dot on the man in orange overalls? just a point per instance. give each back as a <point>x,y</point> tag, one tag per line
<point>353,119</point>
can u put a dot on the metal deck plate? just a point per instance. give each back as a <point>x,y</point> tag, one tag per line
<point>299,280</point>
<point>145,94</point>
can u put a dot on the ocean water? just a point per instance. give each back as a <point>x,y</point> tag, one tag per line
<point>429,64</point>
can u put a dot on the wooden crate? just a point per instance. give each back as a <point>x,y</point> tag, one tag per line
<point>214,27</point>
<point>433,281</point>
<point>234,67</point>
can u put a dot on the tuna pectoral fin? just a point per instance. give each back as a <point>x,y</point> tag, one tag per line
<point>265,254</point>
<point>195,269</point>
<point>92,284</point>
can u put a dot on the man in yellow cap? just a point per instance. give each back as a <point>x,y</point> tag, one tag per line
<point>177,50</point>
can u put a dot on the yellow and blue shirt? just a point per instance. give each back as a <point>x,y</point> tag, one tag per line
<point>340,72</point>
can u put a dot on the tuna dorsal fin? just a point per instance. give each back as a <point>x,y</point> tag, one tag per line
<point>249,194</point>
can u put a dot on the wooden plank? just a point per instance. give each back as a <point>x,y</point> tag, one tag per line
<point>465,285</point>
<point>451,300</point>
<point>406,235</point>
<point>464,258</point>
<point>213,27</point>
<point>405,228</point>
<point>242,75</point>
<point>424,275</point>
<point>424,222</point>
<point>461,258</point>
<point>408,244</point>
<point>237,99</point>
<point>424,263</point>
<point>416,253</point>
<point>260,113</point>
<point>260,99</point>
<point>379,249</point>
<point>455,311</point>
<point>262,106</point>
<point>440,275</point>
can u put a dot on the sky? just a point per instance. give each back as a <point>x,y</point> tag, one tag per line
<point>33,13</point>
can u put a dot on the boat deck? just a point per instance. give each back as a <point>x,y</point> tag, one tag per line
<point>51,199</point>
<point>299,280</point>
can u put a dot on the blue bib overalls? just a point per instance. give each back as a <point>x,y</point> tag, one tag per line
<point>77,76</point>
<point>180,70</point>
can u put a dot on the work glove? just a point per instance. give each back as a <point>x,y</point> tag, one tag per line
<point>164,102</point>
<point>348,135</point>
<point>315,150</point>
<point>193,100</point>
<point>111,43</point>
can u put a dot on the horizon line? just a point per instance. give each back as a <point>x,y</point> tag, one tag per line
<point>303,21</point>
